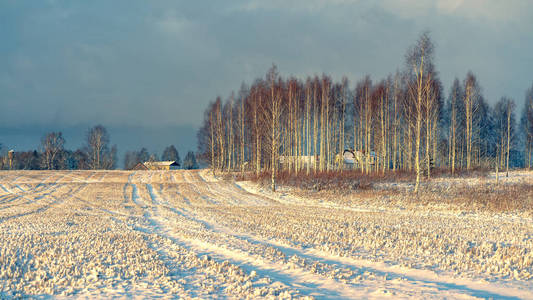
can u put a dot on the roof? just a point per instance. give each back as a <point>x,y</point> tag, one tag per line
<point>140,166</point>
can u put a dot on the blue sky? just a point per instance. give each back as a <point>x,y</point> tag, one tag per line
<point>67,65</point>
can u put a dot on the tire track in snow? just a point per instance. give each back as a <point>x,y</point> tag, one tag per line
<point>24,194</point>
<point>235,189</point>
<point>206,195</point>
<point>55,200</point>
<point>46,192</point>
<point>305,282</point>
<point>176,187</point>
<point>135,196</point>
<point>127,195</point>
<point>170,253</point>
<point>415,279</point>
<point>418,279</point>
<point>223,194</point>
<point>240,252</point>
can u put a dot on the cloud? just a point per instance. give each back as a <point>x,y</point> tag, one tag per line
<point>480,10</point>
<point>172,24</point>
<point>486,10</point>
<point>475,10</point>
<point>157,63</point>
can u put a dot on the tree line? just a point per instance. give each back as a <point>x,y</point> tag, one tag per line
<point>404,120</point>
<point>97,153</point>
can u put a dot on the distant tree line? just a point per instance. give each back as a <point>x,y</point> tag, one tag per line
<point>404,120</point>
<point>96,154</point>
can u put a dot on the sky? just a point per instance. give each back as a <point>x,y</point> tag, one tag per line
<point>147,69</point>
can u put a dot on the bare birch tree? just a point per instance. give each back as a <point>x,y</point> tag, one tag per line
<point>98,151</point>
<point>419,58</point>
<point>52,147</point>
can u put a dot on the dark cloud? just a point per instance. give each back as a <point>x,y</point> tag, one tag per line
<point>156,64</point>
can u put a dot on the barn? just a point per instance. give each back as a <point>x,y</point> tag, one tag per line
<point>162,165</point>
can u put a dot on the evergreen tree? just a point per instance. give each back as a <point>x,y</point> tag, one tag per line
<point>143,155</point>
<point>189,162</point>
<point>171,154</point>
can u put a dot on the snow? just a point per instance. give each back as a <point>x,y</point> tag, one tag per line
<point>188,234</point>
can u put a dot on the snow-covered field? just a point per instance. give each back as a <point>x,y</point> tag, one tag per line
<point>185,234</point>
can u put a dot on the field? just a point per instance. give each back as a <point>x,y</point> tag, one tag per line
<point>186,234</point>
